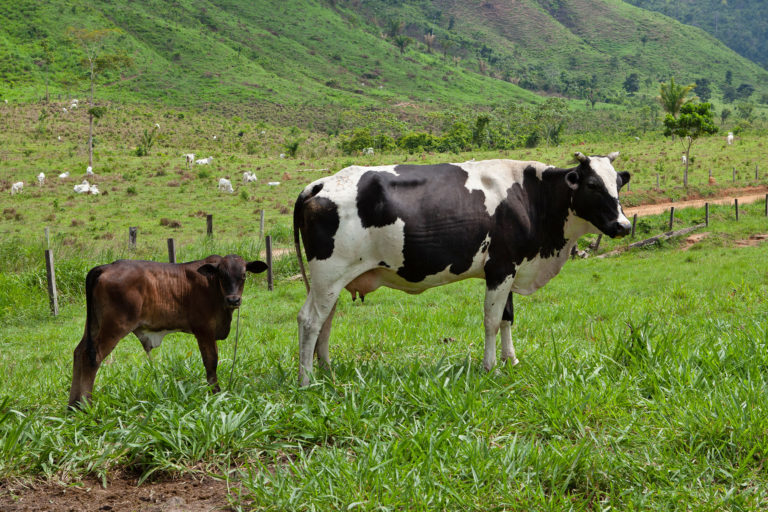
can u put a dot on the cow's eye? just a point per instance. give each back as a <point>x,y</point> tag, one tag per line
<point>593,185</point>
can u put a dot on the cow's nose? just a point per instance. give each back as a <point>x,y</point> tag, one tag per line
<point>233,301</point>
<point>622,229</point>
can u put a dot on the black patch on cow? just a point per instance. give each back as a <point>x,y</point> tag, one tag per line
<point>90,315</point>
<point>444,223</point>
<point>528,223</point>
<point>383,264</point>
<point>318,220</point>
<point>509,310</point>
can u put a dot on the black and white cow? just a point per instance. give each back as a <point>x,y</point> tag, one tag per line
<point>413,227</point>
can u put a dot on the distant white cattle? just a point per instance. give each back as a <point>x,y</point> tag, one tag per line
<point>273,183</point>
<point>684,159</point>
<point>83,188</point>
<point>225,185</point>
<point>41,179</point>
<point>729,138</point>
<point>204,161</point>
<point>94,190</point>
<point>157,125</point>
<point>89,170</point>
<point>64,175</point>
<point>17,188</point>
<point>249,177</point>
<point>368,151</point>
<point>189,158</point>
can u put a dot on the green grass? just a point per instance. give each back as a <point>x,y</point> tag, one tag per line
<point>641,386</point>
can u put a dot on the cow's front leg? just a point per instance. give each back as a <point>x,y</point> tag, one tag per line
<point>495,300</point>
<point>209,350</point>
<point>507,319</point>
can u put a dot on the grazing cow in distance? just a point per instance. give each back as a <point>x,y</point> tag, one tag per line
<point>17,188</point>
<point>729,138</point>
<point>189,158</point>
<point>414,227</point>
<point>153,299</point>
<point>225,185</point>
<point>204,161</point>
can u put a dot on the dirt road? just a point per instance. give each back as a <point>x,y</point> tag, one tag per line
<point>744,195</point>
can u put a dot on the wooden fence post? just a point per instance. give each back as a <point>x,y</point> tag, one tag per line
<point>47,237</point>
<point>132,235</point>
<point>171,251</point>
<point>671,217</point>
<point>597,242</point>
<point>734,175</point>
<point>209,224</point>
<point>657,180</point>
<point>736,207</point>
<point>51,274</point>
<point>634,223</point>
<point>261,224</point>
<point>706,214</point>
<point>270,282</point>
<point>756,173</point>
<point>766,205</point>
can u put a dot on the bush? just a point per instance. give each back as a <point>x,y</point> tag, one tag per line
<point>358,141</point>
<point>413,142</point>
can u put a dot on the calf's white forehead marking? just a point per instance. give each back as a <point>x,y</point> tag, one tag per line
<point>603,168</point>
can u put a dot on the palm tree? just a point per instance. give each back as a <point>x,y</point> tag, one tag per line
<point>672,96</point>
<point>402,42</point>
<point>429,39</point>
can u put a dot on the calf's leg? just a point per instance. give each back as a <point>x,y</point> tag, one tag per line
<point>209,350</point>
<point>88,356</point>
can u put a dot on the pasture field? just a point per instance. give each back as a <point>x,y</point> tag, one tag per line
<point>641,385</point>
<point>642,380</point>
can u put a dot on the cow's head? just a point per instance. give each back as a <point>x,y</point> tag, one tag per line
<point>229,273</point>
<point>595,184</point>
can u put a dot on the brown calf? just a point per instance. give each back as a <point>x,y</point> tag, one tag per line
<point>153,299</point>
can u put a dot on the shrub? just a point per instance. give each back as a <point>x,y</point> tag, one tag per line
<point>413,142</point>
<point>358,141</point>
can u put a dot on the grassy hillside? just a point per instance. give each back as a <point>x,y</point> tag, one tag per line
<point>740,24</point>
<point>338,53</point>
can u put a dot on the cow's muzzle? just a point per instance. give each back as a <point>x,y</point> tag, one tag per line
<point>234,302</point>
<point>619,229</point>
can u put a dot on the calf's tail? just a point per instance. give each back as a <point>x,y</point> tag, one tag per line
<point>90,282</point>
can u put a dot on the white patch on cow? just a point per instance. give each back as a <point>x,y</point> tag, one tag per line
<point>151,339</point>
<point>494,178</point>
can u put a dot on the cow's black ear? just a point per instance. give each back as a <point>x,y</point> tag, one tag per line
<point>208,270</point>
<point>572,179</point>
<point>256,266</point>
<point>624,177</point>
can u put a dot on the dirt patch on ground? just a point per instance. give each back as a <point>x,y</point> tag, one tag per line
<point>184,493</point>
<point>745,195</point>
<point>752,240</point>
<point>693,240</point>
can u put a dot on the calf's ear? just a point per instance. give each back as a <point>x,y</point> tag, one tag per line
<point>256,266</point>
<point>208,270</point>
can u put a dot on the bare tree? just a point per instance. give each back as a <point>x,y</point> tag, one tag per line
<point>429,40</point>
<point>92,44</point>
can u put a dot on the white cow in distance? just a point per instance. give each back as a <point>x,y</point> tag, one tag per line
<point>64,175</point>
<point>41,179</point>
<point>729,138</point>
<point>204,161</point>
<point>684,159</point>
<point>17,188</point>
<point>83,188</point>
<point>225,185</point>
<point>249,177</point>
<point>89,171</point>
<point>189,158</point>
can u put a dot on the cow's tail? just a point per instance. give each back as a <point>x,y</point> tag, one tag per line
<point>90,316</point>
<point>298,223</point>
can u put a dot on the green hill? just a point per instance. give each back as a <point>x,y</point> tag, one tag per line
<point>740,24</point>
<point>336,53</point>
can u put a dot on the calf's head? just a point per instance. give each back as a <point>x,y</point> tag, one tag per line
<point>229,276</point>
<point>595,184</point>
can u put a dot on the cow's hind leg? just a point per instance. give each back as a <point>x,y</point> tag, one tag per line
<point>88,357</point>
<point>495,301</point>
<point>507,319</point>
<point>312,319</point>
<point>321,347</point>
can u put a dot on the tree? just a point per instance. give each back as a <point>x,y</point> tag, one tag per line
<point>429,40</point>
<point>702,89</point>
<point>394,27</point>
<point>402,42</point>
<point>724,115</point>
<point>673,96</point>
<point>45,62</point>
<point>695,120</point>
<point>92,44</point>
<point>632,83</point>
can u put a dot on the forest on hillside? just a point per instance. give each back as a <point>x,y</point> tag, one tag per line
<point>741,24</point>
